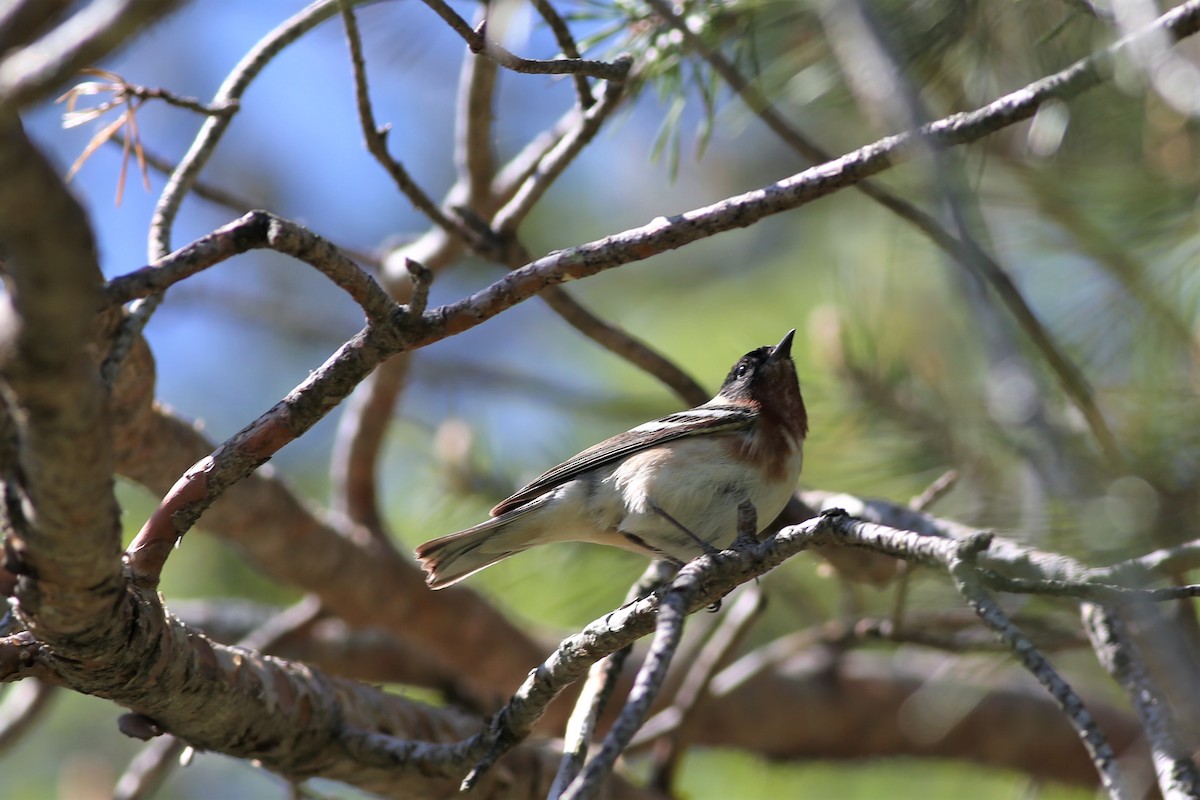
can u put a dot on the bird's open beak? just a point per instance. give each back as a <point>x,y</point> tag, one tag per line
<point>784,348</point>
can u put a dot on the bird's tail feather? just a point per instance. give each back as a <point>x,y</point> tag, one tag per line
<point>449,559</point>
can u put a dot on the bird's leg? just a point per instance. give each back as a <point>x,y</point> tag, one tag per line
<point>704,546</point>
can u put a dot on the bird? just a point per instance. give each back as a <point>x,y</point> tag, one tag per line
<point>669,488</point>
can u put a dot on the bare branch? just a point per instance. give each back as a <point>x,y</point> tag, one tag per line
<point>672,614</point>
<point>935,491</point>
<point>566,43</point>
<point>746,209</point>
<point>613,71</point>
<point>968,584</point>
<point>512,175</point>
<point>358,357</point>
<point>625,345</point>
<point>476,39</point>
<point>24,705</point>
<point>248,449</point>
<point>182,179</point>
<point>376,137</point>
<point>598,688</point>
<point>1090,590</point>
<point>361,431</point>
<point>150,768</point>
<point>270,526</point>
<point>1169,561</point>
<point>72,545</point>
<point>186,103</point>
<point>1118,652</point>
<point>712,577</point>
<point>474,150</point>
<point>291,718</point>
<point>746,610</point>
<point>23,20</point>
<point>555,161</point>
<point>258,229</point>
<point>231,201</point>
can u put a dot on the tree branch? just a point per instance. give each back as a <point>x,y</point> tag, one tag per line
<point>970,586</point>
<point>255,230</point>
<point>1118,653</point>
<point>67,551</point>
<point>476,39</point>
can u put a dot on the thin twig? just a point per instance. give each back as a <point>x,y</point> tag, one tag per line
<point>214,127</point>
<point>376,137</point>
<point>422,279</point>
<point>625,345</point>
<point>1088,590</point>
<point>669,750</point>
<point>474,136</point>
<point>1169,561</point>
<point>227,108</point>
<point>566,43</point>
<point>476,39</point>
<point>363,426</point>
<point>513,174</point>
<point>966,580</point>
<point>556,160</point>
<point>598,688</point>
<point>25,704</point>
<point>613,71</point>
<point>538,180</point>
<point>673,611</point>
<point>149,768</point>
<point>935,491</point>
<point>1117,651</point>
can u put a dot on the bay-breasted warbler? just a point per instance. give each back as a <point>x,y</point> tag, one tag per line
<point>668,489</point>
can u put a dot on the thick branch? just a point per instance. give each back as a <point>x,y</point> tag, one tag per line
<point>366,587</point>
<point>293,719</point>
<point>68,550</point>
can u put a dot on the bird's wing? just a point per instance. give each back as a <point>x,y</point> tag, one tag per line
<point>699,420</point>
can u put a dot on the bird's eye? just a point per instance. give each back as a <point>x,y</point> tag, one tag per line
<point>742,370</point>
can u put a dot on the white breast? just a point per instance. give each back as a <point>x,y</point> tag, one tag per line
<point>699,484</point>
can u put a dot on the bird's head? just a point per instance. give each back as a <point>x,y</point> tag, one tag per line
<point>766,378</point>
